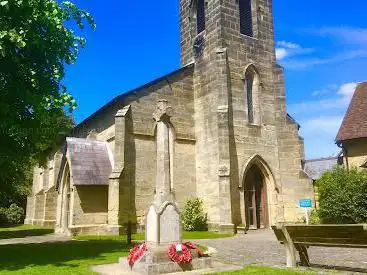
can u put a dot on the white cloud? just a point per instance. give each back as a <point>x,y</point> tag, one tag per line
<point>325,91</point>
<point>288,45</point>
<point>319,135</point>
<point>348,35</point>
<point>286,49</point>
<point>352,40</point>
<point>347,90</point>
<point>301,64</point>
<point>321,126</point>
<point>281,53</point>
<point>338,101</point>
<point>320,119</point>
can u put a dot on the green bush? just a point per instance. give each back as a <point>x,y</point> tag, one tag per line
<point>12,215</point>
<point>193,216</point>
<point>314,217</point>
<point>343,196</point>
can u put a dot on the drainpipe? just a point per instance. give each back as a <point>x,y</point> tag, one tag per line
<point>345,153</point>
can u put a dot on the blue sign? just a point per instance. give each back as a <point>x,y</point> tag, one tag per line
<point>305,203</point>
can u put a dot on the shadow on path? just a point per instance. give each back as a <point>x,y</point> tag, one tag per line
<point>24,233</point>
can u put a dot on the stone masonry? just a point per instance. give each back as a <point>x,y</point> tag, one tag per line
<point>220,133</point>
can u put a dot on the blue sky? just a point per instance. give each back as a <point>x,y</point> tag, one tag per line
<point>321,44</point>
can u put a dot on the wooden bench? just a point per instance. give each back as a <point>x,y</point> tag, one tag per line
<point>300,237</point>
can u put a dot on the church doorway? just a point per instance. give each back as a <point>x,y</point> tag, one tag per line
<point>256,208</point>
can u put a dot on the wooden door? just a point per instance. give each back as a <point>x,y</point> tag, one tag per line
<point>255,200</point>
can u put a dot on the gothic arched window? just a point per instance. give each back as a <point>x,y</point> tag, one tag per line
<point>200,16</point>
<point>249,79</point>
<point>246,26</point>
<point>252,93</point>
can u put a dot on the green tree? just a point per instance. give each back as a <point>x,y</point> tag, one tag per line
<point>343,196</point>
<point>35,107</point>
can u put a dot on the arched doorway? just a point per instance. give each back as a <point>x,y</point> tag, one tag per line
<point>256,204</point>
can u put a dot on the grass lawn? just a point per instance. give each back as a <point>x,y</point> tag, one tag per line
<point>22,231</point>
<point>263,271</point>
<point>73,257</point>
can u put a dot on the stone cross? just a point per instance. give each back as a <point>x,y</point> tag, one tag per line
<point>163,177</point>
<point>163,225</point>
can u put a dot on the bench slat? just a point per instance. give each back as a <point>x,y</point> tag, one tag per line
<point>361,241</point>
<point>333,244</point>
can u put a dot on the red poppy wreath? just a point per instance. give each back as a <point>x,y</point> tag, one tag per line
<point>136,253</point>
<point>179,253</point>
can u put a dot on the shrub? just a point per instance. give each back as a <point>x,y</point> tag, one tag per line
<point>193,216</point>
<point>343,196</point>
<point>314,217</point>
<point>15,214</point>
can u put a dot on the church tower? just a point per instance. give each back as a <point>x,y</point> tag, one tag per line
<point>241,26</point>
<point>239,109</point>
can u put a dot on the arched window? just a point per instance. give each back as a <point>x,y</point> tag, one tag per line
<point>200,16</point>
<point>252,92</point>
<point>249,79</point>
<point>246,27</point>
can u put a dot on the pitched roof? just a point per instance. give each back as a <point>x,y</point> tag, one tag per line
<point>354,124</point>
<point>314,168</point>
<point>89,160</point>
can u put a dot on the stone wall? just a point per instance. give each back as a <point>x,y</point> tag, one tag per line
<point>356,152</point>
<point>29,214</point>
<point>178,91</point>
<point>89,205</point>
<point>41,204</point>
<point>295,184</point>
<point>50,207</point>
<point>39,212</point>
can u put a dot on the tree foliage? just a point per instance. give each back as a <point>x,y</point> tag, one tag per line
<point>35,107</point>
<point>193,216</point>
<point>343,196</point>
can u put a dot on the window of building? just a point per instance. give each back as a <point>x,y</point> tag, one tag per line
<point>250,104</point>
<point>246,26</point>
<point>200,16</point>
<point>252,89</point>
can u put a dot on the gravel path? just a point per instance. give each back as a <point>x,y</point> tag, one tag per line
<point>36,239</point>
<point>262,247</point>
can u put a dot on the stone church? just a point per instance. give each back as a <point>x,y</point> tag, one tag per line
<point>230,139</point>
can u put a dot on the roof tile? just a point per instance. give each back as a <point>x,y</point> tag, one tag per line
<point>354,124</point>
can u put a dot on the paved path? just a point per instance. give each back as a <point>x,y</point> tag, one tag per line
<point>119,269</point>
<point>262,247</point>
<point>36,239</point>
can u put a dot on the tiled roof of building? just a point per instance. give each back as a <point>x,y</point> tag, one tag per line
<point>315,168</point>
<point>354,124</point>
<point>89,160</point>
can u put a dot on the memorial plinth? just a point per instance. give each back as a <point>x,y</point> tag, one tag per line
<point>163,220</point>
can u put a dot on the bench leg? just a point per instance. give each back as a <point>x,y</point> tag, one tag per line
<point>291,255</point>
<point>303,255</point>
<point>290,249</point>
